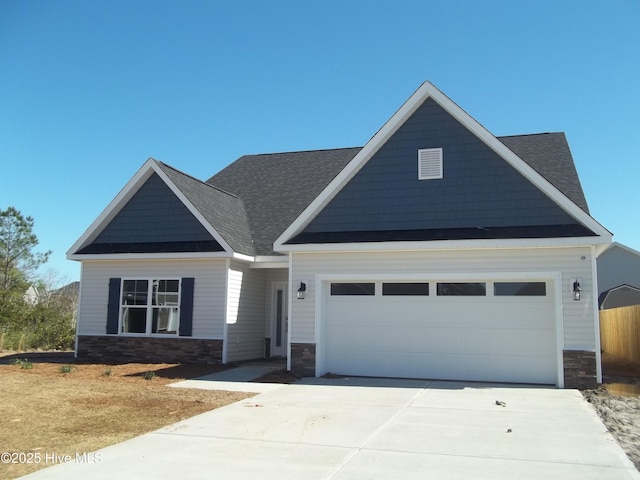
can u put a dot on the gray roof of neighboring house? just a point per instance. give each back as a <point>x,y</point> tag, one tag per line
<point>620,296</point>
<point>275,188</point>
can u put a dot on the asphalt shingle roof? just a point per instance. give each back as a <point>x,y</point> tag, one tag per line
<point>275,188</point>
<point>549,155</point>
<point>224,211</point>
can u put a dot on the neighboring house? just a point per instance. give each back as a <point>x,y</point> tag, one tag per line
<point>437,250</point>
<point>618,277</point>
<point>32,295</point>
<point>70,290</point>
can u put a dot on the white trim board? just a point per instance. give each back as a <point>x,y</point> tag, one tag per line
<point>445,245</point>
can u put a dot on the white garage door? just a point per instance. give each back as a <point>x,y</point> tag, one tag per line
<point>480,330</point>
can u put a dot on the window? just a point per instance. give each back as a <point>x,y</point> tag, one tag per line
<point>353,289</point>
<point>462,289</point>
<point>413,289</point>
<point>429,163</point>
<point>150,306</point>
<point>520,289</point>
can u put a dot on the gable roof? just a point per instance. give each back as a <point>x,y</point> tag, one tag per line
<point>259,202</point>
<point>549,155</point>
<point>277,187</point>
<point>621,296</point>
<point>620,247</point>
<point>425,92</point>
<point>223,210</point>
<point>207,204</point>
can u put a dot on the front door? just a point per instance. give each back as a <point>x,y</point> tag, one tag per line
<point>279,319</point>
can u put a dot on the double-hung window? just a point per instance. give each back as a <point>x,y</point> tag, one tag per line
<point>150,306</point>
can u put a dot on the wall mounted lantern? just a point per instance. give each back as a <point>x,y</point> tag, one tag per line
<point>577,290</point>
<point>302,290</point>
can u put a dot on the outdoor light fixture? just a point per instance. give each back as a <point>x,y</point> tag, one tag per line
<point>577,290</point>
<point>302,291</point>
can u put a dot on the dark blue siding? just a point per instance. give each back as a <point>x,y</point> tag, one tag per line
<point>154,214</point>
<point>479,188</point>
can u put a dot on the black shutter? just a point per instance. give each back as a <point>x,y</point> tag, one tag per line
<point>113,307</point>
<point>186,307</point>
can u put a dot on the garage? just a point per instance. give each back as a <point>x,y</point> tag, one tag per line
<point>486,330</point>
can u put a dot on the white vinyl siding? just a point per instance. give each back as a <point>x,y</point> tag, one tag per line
<point>577,317</point>
<point>209,292</point>
<point>245,313</point>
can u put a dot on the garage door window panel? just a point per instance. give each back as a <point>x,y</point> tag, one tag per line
<point>461,289</point>
<point>405,289</point>
<point>520,289</point>
<point>353,289</point>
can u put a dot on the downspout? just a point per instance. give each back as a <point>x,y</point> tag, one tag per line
<point>596,315</point>
<point>290,310</point>
<point>75,352</point>
<point>225,329</point>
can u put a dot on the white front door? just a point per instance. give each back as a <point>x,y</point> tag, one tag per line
<point>279,319</point>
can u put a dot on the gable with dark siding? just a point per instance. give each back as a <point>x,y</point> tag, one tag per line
<point>479,189</point>
<point>153,220</point>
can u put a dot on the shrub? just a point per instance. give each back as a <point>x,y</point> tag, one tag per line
<point>67,368</point>
<point>24,326</point>
<point>24,363</point>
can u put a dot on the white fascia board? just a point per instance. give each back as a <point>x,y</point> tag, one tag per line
<point>142,175</point>
<point>243,257</point>
<point>271,261</point>
<point>150,256</point>
<point>446,245</point>
<point>428,90</point>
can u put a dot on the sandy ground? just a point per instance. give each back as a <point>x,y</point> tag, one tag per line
<point>617,402</point>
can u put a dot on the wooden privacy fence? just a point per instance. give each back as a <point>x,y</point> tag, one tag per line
<point>620,332</point>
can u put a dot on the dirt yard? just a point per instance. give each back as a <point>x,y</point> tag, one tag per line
<point>52,406</point>
<point>617,402</point>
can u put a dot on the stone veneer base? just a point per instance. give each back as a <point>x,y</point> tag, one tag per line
<point>580,369</point>
<point>303,359</point>
<point>149,349</point>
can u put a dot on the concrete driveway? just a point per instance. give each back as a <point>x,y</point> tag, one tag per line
<point>374,428</point>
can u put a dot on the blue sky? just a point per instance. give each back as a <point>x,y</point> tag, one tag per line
<point>90,89</point>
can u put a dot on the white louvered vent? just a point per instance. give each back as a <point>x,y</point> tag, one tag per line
<point>429,163</point>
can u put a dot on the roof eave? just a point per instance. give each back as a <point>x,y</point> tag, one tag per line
<point>448,244</point>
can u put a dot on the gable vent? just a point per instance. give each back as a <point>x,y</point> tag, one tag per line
<point>429,163</point>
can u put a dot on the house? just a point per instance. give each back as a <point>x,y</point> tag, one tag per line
<point>618,277</point>
<point>32,295</point>
<point>437,250</point>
